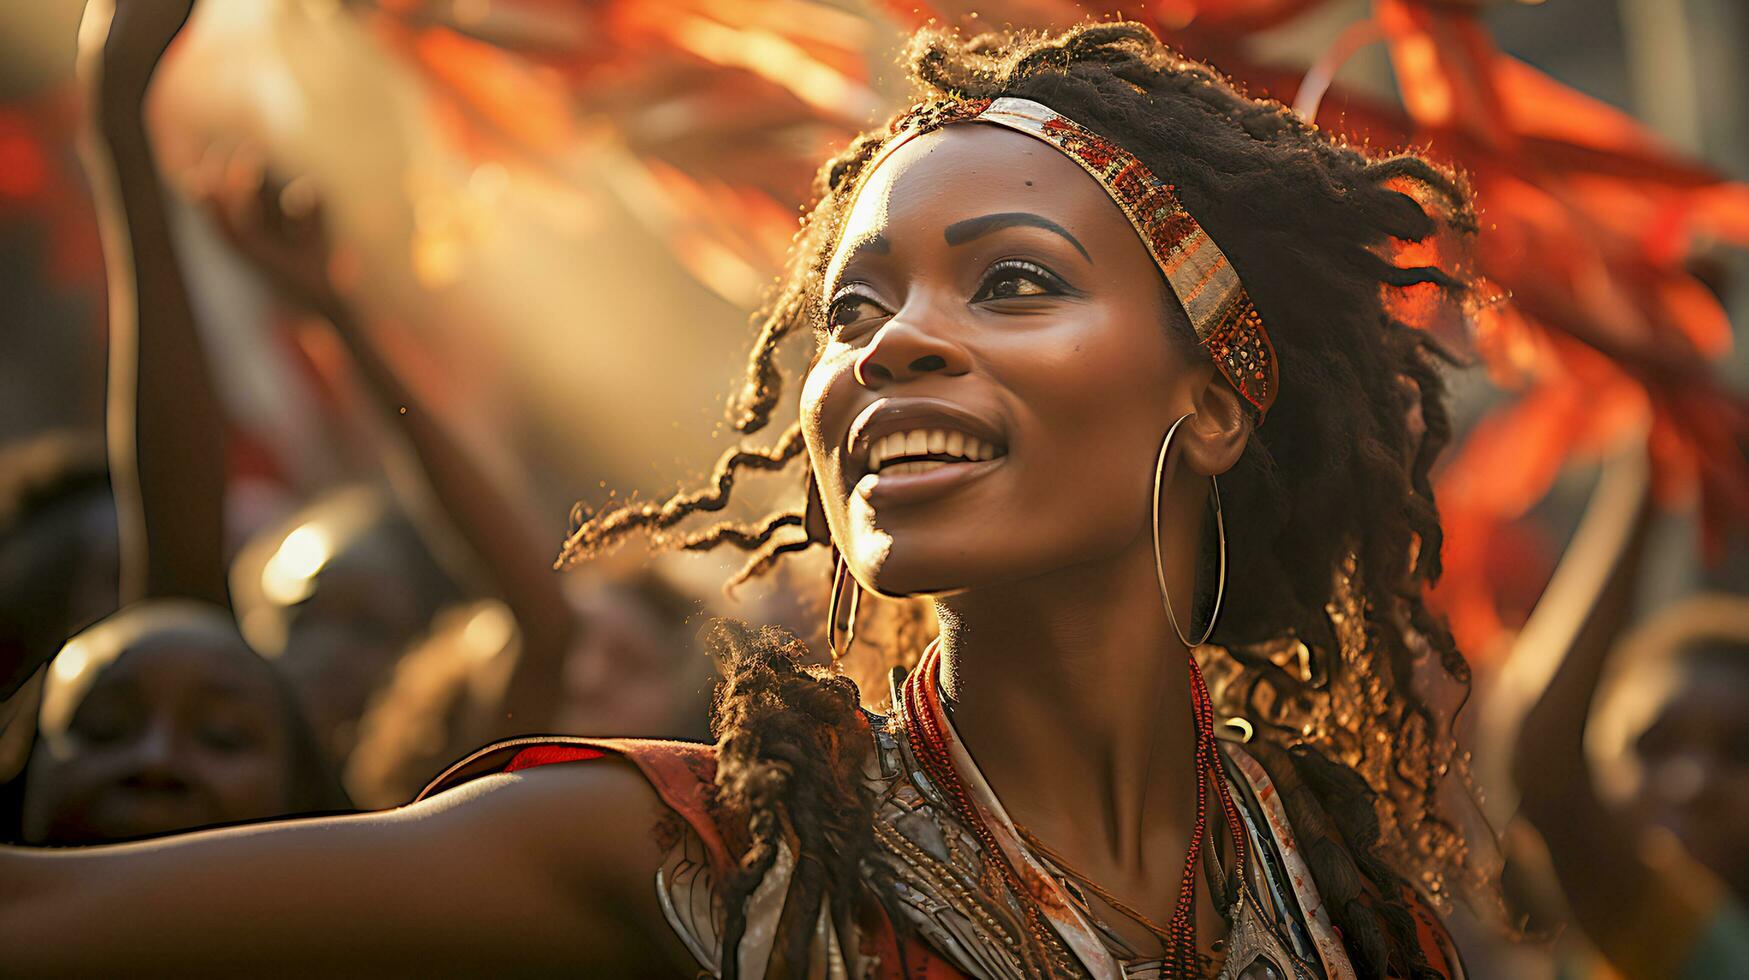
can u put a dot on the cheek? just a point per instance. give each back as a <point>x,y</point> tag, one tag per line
<point>1097,404</point>
<point>826,408</point>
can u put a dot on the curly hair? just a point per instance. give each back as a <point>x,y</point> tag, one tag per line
<point>1334,536</point>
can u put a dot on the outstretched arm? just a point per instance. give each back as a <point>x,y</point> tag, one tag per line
<point>281,229</point>
<point>541,872</point>
<point>166,439</point>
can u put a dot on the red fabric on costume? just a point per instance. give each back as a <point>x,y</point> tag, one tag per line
<point>683,774</point>
<point>541,755</point>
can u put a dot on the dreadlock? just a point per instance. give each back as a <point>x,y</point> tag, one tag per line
<point>1336,536</point>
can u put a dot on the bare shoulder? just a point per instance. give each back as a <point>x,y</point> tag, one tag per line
<point>598,829</point>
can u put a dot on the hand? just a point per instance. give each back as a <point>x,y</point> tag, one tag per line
<point>1572,634</point>
<point>120,45</point>
<point>277,225</point>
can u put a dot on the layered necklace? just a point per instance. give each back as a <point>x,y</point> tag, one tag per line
<point>930,743</point>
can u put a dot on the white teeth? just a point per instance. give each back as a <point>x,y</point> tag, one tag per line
<point>919,442</point>
<point>914,466</point>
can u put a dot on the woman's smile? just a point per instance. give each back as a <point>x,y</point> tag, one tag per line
<point>911,450</point>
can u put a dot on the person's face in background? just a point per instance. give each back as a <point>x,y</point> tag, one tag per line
<point>632,673</point>
<point>1694,760</point>
<point>164,728</point>
<point>345,637</point>
<point>335,600</point>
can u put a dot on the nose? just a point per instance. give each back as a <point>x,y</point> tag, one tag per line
<point>153,760</point>
<point>905,349</point>
<point>155,748</point>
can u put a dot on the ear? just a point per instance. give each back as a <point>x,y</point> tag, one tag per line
<point>1215,437</point>
<point>814,516</point>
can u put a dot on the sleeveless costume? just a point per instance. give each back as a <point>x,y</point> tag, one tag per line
<point>952,888</point>
<point>945,913</point>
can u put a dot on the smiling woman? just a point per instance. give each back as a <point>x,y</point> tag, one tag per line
<point>1102,368</point>
<point>1053,304</point>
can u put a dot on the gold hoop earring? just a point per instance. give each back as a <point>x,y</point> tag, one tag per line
<point>836,625</point>
<point>1160,563</point>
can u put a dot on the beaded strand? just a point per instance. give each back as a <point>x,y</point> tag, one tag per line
<point>929,744</point>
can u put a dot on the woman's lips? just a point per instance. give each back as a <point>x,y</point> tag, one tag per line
<point>929,418</point>
<point>891,488</point>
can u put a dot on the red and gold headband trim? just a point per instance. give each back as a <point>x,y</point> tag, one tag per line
<point>1205,282</point>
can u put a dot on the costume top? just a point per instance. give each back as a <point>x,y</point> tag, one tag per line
<point>944,910</point>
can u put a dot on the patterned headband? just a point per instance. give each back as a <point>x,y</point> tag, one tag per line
<point>1200,275</point>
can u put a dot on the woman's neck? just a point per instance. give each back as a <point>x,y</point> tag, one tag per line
<point>1071,692</point>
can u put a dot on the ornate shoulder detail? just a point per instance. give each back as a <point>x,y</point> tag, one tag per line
<point>1284,888</point>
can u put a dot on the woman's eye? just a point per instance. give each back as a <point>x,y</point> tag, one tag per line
<point>849,308</point>
<point>1014,279</point>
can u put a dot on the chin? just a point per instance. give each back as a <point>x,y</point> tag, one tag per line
<point>932,569</point>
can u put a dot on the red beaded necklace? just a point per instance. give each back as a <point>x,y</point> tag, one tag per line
<point>930,746</point>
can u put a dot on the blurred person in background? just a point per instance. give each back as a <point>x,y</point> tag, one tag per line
<point>635,669</point>
<point>611,656</point>
<point>58,560</point>
<point>341,590</point>
<point>58,548</point>
<point>1645,833</point>
<point>335,594</point>
<point>160,718</point>
<point>1674,720</point>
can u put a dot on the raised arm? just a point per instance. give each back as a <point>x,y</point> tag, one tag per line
<point>1642,909</point>
<point>544,872</point>
<point>281,229</point>
<point>166,439</point>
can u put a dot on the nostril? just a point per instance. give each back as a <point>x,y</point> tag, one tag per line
<point>932,362</point>
<point>868,372</point>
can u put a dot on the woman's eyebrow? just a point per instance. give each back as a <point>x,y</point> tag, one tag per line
<point>876,244</point>
<point>961,232</point>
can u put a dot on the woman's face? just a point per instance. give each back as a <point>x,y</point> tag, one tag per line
<point>998,372</point>
<point>175,732</point>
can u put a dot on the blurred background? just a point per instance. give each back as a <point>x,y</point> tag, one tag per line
<point>554,219</point>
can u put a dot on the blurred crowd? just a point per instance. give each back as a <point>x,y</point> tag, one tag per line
<point>178,652</point>
<point>349,670</point>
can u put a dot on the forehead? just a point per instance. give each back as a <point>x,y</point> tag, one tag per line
<point>184,661</point>
<point>154,665</point>
<point>970,169</point>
